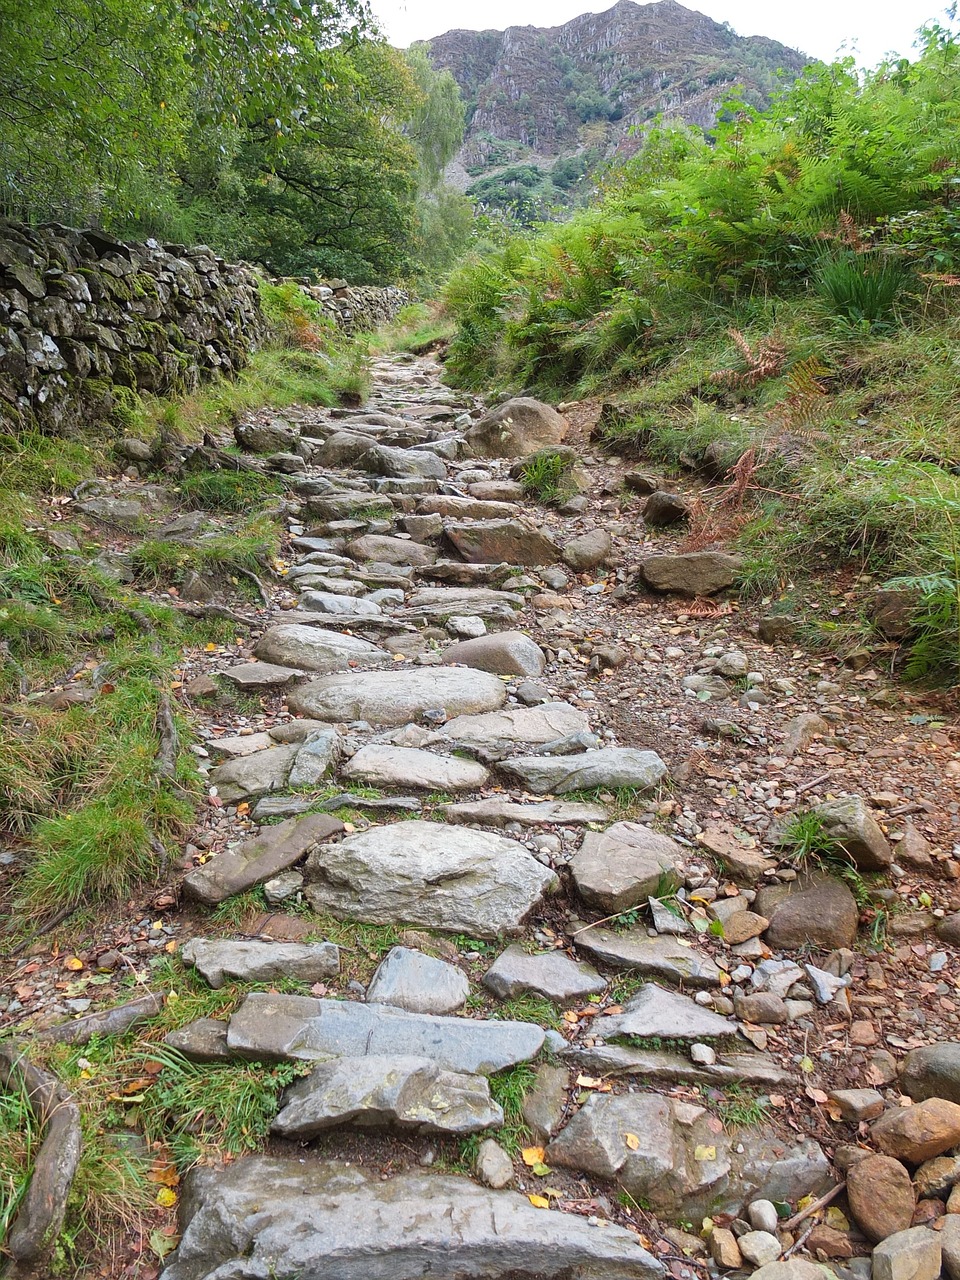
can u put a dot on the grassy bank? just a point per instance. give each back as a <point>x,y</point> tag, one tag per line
<point>91,792</point>
<point>781,299</point>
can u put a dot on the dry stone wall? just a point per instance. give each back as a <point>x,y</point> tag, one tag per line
<point>83,316</point>
<point>86,319</point>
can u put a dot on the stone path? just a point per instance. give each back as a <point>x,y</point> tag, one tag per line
<point>579,783</point>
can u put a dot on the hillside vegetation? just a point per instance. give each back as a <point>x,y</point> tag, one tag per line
<point>777,298</point>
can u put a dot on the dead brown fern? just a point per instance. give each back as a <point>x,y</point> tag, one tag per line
<point>763,361</point>
<point>725,518</point>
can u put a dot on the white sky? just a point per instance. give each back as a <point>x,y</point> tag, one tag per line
<point>869,29</point>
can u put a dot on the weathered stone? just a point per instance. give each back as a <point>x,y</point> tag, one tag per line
<point>551,974</point>
<point>329,1221</point>
<point>340,605</point>
<point>761,1007</point>
<point>384,766</point>
<point>694,573</point>
<point>908,1255</point>
<point>932,1071</point>
<point>742,926</point>
<point>494,1166</point>
<point>202,1041</point>
<point>825,915</point>
<point>262,675</point>
<point>920,1132</point>
<point>621,867</point>
<point>792,1269</point>
<point>724,1249</point>
<point>881,1196</point>
<point>656,1013</point>
<point>935,1177</point>
<point>257,859</point>
<point>313,649</point>
<point>858,1104</point>
<point>260,961</point>
<point>383,460</point>
<point>450,602</point>
<point>608,767</point>
<point>759,1247</point>
<point>394,1092</point>
<point>284,1028</point>
<point>801,731</point>
<point>235,747</point>
<point>507,653</point>
<point>532,725</point>
<point>544,1102</point>
<point>762,1216</point>
<point>498,813</point>
<point>457,508</point>
<point>515,428</point>
<point>850,824</point>
<point>429,874</point>
<point>397,697</point>
<point>387,550</point>
<point>517,541</point>
<point>316,757</point>
<point>408,979</point>
<point>254,775</point>
<point>283,887</point>
<point>588,550</point>
<point>828,1242</point>
<point>663,508</point>
<point>654,958</point>
<point>950,1243</point>
<point>667,1066</point>
<point>276,436</point>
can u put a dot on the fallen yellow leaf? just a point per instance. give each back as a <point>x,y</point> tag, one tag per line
<point>532,1155</point>
<point>166,1197</point>
<point>539,1202</point>
<point>632,1141</point>
<point>705,1153</point>
<point>74,963</point>
<point>210,648</point>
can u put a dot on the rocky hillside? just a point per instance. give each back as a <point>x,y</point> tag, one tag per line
<point>560,91</point>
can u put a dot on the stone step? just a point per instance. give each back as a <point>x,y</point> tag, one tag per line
<point>268,1027</point>
<point>606,767</point>
<point>398,697</point>
<point>321,1220</point>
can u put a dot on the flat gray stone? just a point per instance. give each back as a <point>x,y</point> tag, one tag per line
<point>516,541</point>
<point>259,858</point>
<point>663,957</point>
<point>551,974</point>
<point>204,1040</point>
<point>285,1028</point>
<point>932,1071</point>
<point>621,867</point>
<point>494,1166</point>
<point>382,460</point>
<point>914,1254</point>
<point>254,775</point>
<point>234,746</point>
<point>430,874</point>
<point>253,960</point>
<point>337,605</point>
<point>313,649</point>
<point>408,979</point>
<point>669,1067</point>
<point>498,813</point>
<point>397,697</point>
<point>529,725</point>
<point>850,823</point>
<point>666,1015</point>
<point>440,603</point>
<point>694,573</point>
<point>588,550</point>
<point>507,653</point>
<point>317,1220</point>
<point>389,1092</point>
<point>384,766</point>
<point>262,675</point>
<point>608,767</point>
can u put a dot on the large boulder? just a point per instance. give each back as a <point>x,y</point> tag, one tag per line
<point>275,436</point>
<point>825,915</point>
<point>316,1220</point>
<point>849,823</point>
<point>398,463</point>
<point>693,573</point>
<point>881,1196</point>
<point>621,867</point>
<point>515,428</point>
<point>397,697</point>
<point>507,653</point>
<point>387,550</point>
<point>517,541</point>
<point>932,1071</point>
<point>920,1132</point>
<point>588,550</point>
<point>430,874</point>
<point>313,649</point>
